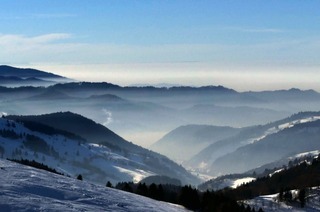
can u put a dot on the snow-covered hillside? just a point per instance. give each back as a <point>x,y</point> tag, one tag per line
<point>204,160</point>
<point>235,180</point>
<point>72,156</point>
<point>283,126</point>
<point>228,181</point>
<point>24,188</point>
<point>276,141</point>
<point>271,203</point>
<point>69,156</point>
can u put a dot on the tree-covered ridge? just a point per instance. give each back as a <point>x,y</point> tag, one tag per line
<point>304,175</point>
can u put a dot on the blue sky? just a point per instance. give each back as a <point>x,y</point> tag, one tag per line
<point>246,45</point>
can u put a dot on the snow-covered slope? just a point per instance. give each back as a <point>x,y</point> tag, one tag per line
<point>271,203</point>
<point>235,180</point>
<point>70,154</point>
<point>303,123</point>
<point>283,162</point>
<point>24,188</point>
<point>234,183</point>
<point>302,137</point>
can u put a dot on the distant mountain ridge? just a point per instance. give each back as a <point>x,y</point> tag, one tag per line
<point>145,114</point>
<point>9,71</point>
<point>190,139</point>
<point>16,77</point>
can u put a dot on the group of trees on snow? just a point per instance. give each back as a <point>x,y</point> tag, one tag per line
<point>289,197</point>
<point>299,177</point>
<point>187,196</point>
<point>36,165</point>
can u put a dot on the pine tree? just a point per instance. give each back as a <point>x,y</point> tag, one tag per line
<point>142,189</point>
<point>280,197</point>
<point>189,198</point>
<point>109,184</point>
<point>127,188</point>
<point>287,196</point>
<point>302,197</point>
<point>153,191</point>
<point>79,177</point>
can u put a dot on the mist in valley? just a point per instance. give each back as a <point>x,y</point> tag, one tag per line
<point>148,116</point>
<point>204,104</point>
<point>144,115</point>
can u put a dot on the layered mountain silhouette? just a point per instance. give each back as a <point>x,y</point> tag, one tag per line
<point>190,140</point>
<point>144,115</point>
<point>9,71</point>
<point>15,77</point>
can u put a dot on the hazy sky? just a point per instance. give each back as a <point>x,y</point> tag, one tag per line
<point>246,45</point>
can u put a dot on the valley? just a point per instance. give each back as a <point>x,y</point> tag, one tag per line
<point>209,137</point>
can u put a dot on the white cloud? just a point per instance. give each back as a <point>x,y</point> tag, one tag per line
<point>24,49</point>
<point>171,63</point>
<point>61,48</point>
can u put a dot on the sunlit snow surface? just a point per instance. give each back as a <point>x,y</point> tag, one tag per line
<point>27,189</point>
<point>238,182</point>
<point>273,130</point>
<point>278,128</point>
<point>111,166</point>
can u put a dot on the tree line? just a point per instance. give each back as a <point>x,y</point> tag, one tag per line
<point>187,196</point>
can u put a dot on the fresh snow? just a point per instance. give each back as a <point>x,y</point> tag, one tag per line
<point>275,172</point>
<point>76,157</point>
<point>204,164</point>
<point>306,154</point>
<point>238,182</point>
<point>25,188</point>
<point>227,183</point>
<point>283,126</point>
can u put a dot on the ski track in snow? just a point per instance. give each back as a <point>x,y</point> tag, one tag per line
<point>24,188</point>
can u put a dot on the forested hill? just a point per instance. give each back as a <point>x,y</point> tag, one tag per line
<point>302,176</point>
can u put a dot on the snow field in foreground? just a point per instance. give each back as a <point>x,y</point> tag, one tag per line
<point>24,188</point>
